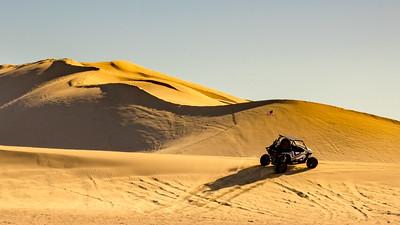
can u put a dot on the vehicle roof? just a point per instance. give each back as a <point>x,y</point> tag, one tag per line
<point>290,137</point>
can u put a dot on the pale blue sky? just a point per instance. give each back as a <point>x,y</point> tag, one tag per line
<point>344,53</point>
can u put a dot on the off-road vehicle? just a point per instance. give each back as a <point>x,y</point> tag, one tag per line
<point>286,151</point>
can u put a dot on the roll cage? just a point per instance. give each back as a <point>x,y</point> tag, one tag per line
<point>293,141</point>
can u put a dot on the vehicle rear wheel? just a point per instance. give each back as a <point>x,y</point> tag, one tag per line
<point>281,168</point>
<point>312,162</point>
<point>265,160</point>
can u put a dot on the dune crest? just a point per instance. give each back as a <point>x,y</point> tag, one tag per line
<point>119,72</point>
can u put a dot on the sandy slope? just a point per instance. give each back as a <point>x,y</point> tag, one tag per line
<point>210,143</point>
<point>124,107</point>
<point>85,187</point>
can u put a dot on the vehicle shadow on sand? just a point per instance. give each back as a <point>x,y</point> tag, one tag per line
<point>250,175</point>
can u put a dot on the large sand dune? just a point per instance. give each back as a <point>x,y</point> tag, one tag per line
<point>122,106</point>
<point>51,105</point>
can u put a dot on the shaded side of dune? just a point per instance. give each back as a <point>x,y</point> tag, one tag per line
<point>124,118</point>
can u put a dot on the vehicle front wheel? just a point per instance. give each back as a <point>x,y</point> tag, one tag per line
<point>281,167</point>
<point>312,162</point>
<point>265,160</point>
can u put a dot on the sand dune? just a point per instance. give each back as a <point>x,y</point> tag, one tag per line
<point>125,107</point>
<point>85,187</point>
<point>54,113</point>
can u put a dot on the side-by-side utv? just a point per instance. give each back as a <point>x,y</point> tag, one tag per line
<point>286,151</point>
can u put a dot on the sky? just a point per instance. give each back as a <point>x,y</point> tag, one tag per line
<point>344,52</point>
